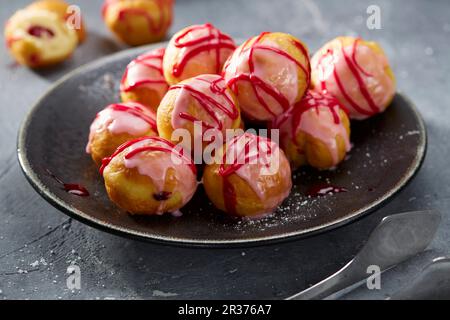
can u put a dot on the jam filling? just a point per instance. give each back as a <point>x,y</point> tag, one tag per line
<point>40,32</point>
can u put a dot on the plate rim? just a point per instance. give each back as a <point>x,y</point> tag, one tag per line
<point>79,215</point>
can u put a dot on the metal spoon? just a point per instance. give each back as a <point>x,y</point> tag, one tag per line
<point>397,238</point>
<point>432,283</point>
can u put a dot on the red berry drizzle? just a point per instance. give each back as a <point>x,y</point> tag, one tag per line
<point>209,104</point>
<point>356,70</point>
<point>72,188</point>
<point>214,40</point>
<point>229,193</point>
<point>312,100</point>
<point>145,62</point>
<point>136,110</point>
<point>167,147</point>
<point>258,83</point>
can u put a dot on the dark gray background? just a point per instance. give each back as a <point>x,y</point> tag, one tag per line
<point>37,243</point>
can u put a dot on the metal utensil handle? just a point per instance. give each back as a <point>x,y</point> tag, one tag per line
<point>326,287</point>
<point>397,238</point>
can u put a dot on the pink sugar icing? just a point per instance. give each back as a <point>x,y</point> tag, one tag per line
<point>200,45</point>
<point>356,75</point>
<point>155,164</point>
<point>272,73</point>
<point>251,157</point>
<point>209,93</point>
<point>130,117</point>
<point>146,71</point>
<point>317,114</point>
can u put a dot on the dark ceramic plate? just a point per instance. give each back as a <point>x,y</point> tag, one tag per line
<point>388,151</point>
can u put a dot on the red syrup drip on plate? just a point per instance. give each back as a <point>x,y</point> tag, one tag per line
<point>72,188</point>
<point>203,44</point>
<point>323,190</point>
<point>136,111</point>
<point>258,83</point>
<point>355,68</point>
<point>144,62</point>
<point>209,104</point>
<point>229,193</point>
<point>168,148</point>
<point>40,32</point>
<point>76,190</point>
<point>154,28</point>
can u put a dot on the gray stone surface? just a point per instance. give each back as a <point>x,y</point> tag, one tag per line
<point>37,243</point>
